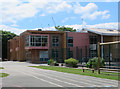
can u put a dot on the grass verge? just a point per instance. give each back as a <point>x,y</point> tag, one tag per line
<point>3,74</point>
<point>106,75</point>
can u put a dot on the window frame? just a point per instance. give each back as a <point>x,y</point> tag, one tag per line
<point>70,44</point>
<point>54,38</point>
<point>37,41</point>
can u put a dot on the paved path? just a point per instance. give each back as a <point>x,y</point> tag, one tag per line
<point>23,76</point>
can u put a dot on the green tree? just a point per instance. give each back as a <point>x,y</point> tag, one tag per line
<point>6,35</point>
<point>62,28</point>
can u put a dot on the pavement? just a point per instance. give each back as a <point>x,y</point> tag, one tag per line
<point>20,75</point>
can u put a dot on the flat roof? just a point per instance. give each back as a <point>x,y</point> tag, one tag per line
<point>36,31</point>
<point>109,32</point>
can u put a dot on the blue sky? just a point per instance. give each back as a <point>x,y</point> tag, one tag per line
<point>19,15</point>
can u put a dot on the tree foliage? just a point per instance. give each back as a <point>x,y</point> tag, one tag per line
<point>6,35</point>
<point>62,28</point>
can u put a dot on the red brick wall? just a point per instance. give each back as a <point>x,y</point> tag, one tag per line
<point>79,39</point>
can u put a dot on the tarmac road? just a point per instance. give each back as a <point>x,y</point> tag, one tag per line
<point>23,76</point>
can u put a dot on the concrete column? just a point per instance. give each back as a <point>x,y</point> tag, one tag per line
<point>102,46</point>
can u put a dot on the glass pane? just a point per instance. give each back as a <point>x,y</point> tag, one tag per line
<point>43,54</point>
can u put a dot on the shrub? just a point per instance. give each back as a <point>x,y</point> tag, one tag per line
<point>71,62</point>
<point>51,61</point>
<point>93,63</point>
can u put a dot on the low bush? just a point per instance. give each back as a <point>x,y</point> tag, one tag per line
<point>71,62</point>
<point>93,63</point>
<point>51,61</point>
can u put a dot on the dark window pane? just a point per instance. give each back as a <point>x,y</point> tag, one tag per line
<point>55,40</point>
<point>70,41</point>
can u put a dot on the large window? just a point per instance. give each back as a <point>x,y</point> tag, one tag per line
<point>43,55</point>
<point>70,41</point>
<point>55,40</point>
<point>41,41</point>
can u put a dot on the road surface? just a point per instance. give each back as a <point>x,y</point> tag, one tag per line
<point>23,76</point>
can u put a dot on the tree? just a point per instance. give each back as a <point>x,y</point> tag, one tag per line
<point>62,28</point>
<point>6,35</point>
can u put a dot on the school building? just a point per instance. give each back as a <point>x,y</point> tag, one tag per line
<point>39,46</point>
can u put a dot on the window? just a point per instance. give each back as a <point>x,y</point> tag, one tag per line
<point>43,55</point>
<point>70,41</point>
<point>93,39</point>
<point>55,40</point>
<point>37,41</point>
<point>28,56</point>
<point>70,54</point>
<point>27,41</point>
<point>55,54</point>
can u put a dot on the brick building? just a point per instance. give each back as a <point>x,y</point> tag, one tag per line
<point>39,46</point>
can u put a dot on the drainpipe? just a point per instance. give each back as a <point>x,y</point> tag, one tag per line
<point>102,46</point>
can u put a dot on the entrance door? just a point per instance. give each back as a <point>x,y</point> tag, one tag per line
<point>43,55</point>
<point>28,56</point>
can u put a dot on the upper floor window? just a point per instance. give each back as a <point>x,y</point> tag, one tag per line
<point>70,41</point>
<point>37,41</point>
<point>27,41</point>
<point>55,40</point>
<point>93,39</point>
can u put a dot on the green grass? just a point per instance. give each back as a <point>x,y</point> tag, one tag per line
<point>1,68</point>
<point>3,74</point>
<point>106,75</point>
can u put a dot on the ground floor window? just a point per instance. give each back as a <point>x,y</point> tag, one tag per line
<point>70,54</point>
<point>43,55</point>
<point>28,57</point>
<point>55,54</point>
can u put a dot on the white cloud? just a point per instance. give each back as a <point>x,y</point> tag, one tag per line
<point>90,11</point>
<point>112,25</point>
<point>11,29</point>
<point>55,7</point>
<point>85,10</point>
<point>103,15</point>
<point>46,29</point>
<point>14,25</point>
<point>42,14</point>
<point>67,18</point>
<point>14,10</point>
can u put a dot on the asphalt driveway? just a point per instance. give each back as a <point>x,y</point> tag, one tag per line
<point>23,76</point>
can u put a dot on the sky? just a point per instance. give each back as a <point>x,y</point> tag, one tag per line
<point>20,15</point>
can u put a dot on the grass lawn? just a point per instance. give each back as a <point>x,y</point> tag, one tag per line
<point>107,75</point>
<point>1,68</point>
<point>3,74</point>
